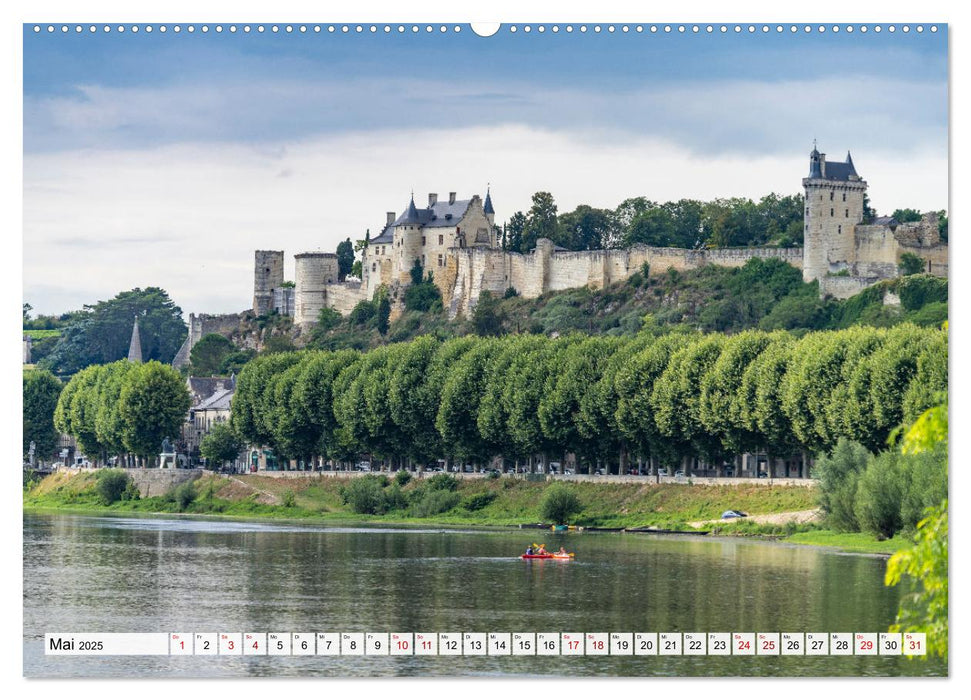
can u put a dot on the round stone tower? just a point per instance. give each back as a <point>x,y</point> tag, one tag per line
<point>268,278</point>
<point>314,271</point>
<point>833,208</point>
<point>408,243</point>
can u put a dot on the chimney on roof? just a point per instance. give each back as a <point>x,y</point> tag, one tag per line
<point>391,217</point>
<point>451,198</point>
<point>432,198</point>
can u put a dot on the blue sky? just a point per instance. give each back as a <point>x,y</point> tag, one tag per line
<point>201,147</point>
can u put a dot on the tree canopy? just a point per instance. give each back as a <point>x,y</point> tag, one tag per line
<point>101,333</point>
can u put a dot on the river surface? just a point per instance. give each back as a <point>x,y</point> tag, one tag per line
<point>107,574</point>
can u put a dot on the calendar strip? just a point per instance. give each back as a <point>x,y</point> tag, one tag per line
<point>372,644</point>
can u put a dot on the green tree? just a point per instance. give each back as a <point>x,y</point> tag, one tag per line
<point>910,264</point>
<point>926,562</point>
<point>586,228</point>
<point>541,221</point>
<point>221,445</point>
<point>153,406</point>
<point>488,317</point>
<point>838,475</point>
<point>414,404</point>
<point>383,314</point>
<point>457,418</point>
<point>102,332</point>
<point>560,504</point>
<point>41,393</point>
<point>209,353</point>
<point>721,406</point>
<point>345,258</point>
<point>906,215</point>
<point>234,362</point>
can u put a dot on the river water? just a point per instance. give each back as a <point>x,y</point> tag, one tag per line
<point>100,574</point>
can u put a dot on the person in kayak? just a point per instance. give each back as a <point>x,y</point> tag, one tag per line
<point>562,551</point>
<point>529,551</point>
<point>542,549</point>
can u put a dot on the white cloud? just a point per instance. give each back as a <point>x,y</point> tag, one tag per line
<point>188,217</point>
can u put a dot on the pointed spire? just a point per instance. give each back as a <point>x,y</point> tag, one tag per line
<point>849,162</point>
<point>487,207</point>
<point>411,216</point>
<point>135,346</point>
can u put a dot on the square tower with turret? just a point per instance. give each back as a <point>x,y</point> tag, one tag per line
<point>833,208</point>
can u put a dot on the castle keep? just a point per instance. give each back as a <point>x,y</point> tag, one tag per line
<point>456,241</point>
<point>842,252</point>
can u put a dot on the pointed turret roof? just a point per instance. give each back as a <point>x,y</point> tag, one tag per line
<point>135,346</point>
<point>849,162</point>
<point>411,216</point>
<point>487,207</point>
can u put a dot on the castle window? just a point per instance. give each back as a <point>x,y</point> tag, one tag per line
<point>807,211</point>
<point>844,196</point>
<point>423,240</point>
<point>831,211</point>
<point>839,229</point>
<point>847,213</point>
<point>441,239</point>
<point>374,267</point>
<point>440,261</point>
<point>831,194</point>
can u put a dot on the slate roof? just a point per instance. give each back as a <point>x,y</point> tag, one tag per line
<point>487,207</point>
<point>839,172</point>
<point>439,215</point>
<point>202,388</point>
<point>886,221</point>
<point>220,401</point>
<point>386,236</point>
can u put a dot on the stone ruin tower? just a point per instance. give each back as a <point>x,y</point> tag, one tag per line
<point>269,278</point>
<point>314,271</point>
<point>834,207</point>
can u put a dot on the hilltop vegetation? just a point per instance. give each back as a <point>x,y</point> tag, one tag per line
<point>765,294</point>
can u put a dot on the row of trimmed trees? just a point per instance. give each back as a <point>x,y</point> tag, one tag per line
<point>609,400</point>
<point>123,409</point>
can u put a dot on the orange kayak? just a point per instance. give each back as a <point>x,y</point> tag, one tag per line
<point>547,556</point>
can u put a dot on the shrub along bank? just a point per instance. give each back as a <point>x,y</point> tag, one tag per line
<point>440,499</point>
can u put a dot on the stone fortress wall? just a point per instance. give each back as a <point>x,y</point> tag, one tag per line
<point>843,254</point>
<point>545,270</point>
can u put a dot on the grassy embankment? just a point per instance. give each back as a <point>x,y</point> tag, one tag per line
<point>513,502</point>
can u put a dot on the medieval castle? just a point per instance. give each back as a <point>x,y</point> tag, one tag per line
<point>456,240</point>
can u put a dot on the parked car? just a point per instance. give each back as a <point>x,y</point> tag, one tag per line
<point>763,475</point>
<point>568,472</point>
<point>679,474</point>
<point>733,514</point>
<point>663,471</point>
<point>598,472</point>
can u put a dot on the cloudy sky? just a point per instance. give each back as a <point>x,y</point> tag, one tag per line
<point>166,159</point>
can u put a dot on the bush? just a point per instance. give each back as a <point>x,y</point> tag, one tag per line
<point>838,475</point>
<point>435,502</point>
<point>878,497</point>
<point>184,494</point>
<point>402,477</point>
<point>394,497</point>
<point>443,482</point>
<point>111,485</point>
<point>559,504</point>
<point>510,293</point>
<point>288,499</point>
<point>479,501</point>
<point>364,495</point>
<point>918,291</point>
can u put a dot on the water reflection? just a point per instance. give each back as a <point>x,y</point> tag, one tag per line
<point>150,575</point>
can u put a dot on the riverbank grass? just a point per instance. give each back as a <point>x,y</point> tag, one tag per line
<point>857,542</point>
